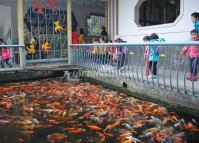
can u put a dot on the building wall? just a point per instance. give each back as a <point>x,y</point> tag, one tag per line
<point>5,21</point>
<point>177,31</point>
<point>81,14</point>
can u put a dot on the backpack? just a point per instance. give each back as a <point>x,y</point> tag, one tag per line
<point>157,51</point>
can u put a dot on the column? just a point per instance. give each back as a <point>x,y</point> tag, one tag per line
<point>106,14</point>
<point>69,29</point>
<point>113,18</point>
<point>20,19</point>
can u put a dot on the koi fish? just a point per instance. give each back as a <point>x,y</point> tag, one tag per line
<point>20,140</point>
<point>53,122</point>
<point>8,117</point>
<point>109,127</point>
<point>77,131</point>
<point>4,122</point>
<point>131,138</point>
<point>128,141</point>
<point>93,127</point>
<point>47,110</point>
<point>159,137</point>
<point>25,122</point>
<point>57,137</point>
<point>27,132</point>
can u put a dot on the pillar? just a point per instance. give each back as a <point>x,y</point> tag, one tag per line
<point>20,20</point>
<point>69,29</point>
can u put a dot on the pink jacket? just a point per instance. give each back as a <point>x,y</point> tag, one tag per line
<point>193,51</point>
<point>5,55</point>
<point>146,53</point>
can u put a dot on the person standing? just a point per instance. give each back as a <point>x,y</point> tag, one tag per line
<point>104,34</point>
<point>81,36</point>
<point>146,55</point>
<point>195,20</point>
<point>193,53</point>
<point>5,55</point>
<point>154,55</point>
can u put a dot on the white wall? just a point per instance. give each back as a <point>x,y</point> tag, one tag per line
<point>178,31</point>
<point>5,20</point>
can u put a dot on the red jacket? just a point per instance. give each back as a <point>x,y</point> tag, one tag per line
<point>75,38</point>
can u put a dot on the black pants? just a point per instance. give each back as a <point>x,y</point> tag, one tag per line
<point>120,61</point>
<point>153,67</point>
<point>6,61</point>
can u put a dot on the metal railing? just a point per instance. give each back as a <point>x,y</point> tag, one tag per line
<point>10,56</point>
<point>127,61</point>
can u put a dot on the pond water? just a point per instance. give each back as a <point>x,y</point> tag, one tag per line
<point>51,111</point>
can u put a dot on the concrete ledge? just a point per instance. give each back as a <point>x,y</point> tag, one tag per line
<point>23,75</point>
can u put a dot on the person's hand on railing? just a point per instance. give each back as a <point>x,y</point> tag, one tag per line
<point>162,55</point>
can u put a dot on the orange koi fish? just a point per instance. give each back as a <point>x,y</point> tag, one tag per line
<point>77,131</point>
<point>93,127</point>
<point>27,132</point>
<point>102,137</point>
<point>20,140</point>
<point>158,137</point>
<point>53,122</point>
<point>57,136</point>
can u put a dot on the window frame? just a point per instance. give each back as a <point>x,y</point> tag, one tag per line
<point>137,23</point>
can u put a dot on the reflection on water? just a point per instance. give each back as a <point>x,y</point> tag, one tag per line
<point>57,112</point>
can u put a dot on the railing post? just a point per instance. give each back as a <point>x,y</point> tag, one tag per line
<point>69,29</point>
<point>21,32</point>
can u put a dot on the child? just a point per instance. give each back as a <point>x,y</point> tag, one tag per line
<point>154,55</point>
<point>75,39</point>
<point>104,34</point>
<point>146,55</point>
<point>95,50</point>
<point>195,20</point>
<point>5,56</point>
<point>81,36</point>
<point>193,53</point>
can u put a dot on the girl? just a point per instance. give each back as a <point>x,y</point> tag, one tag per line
<point>154,55</point>
<point>81,36</point>
<point>193,53</point>
<point>5,55</point>
<point>146,55</point>
<point>195,20</point>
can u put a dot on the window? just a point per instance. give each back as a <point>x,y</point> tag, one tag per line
<point>155,12</point>
<point>94,23</point>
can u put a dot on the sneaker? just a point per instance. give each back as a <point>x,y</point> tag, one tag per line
<point>149,76</point>
<point>193,78</point>
<point>189,77</point>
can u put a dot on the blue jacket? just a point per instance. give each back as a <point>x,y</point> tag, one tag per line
<point>197,26</point>
<point>153,55</point>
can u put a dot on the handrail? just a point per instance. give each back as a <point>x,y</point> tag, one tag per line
<point>141,44</point>
<point>14,46</point>
<point>14,58</point>
<point>171,69</point>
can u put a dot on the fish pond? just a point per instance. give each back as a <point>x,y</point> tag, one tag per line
<point>51,111</point>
